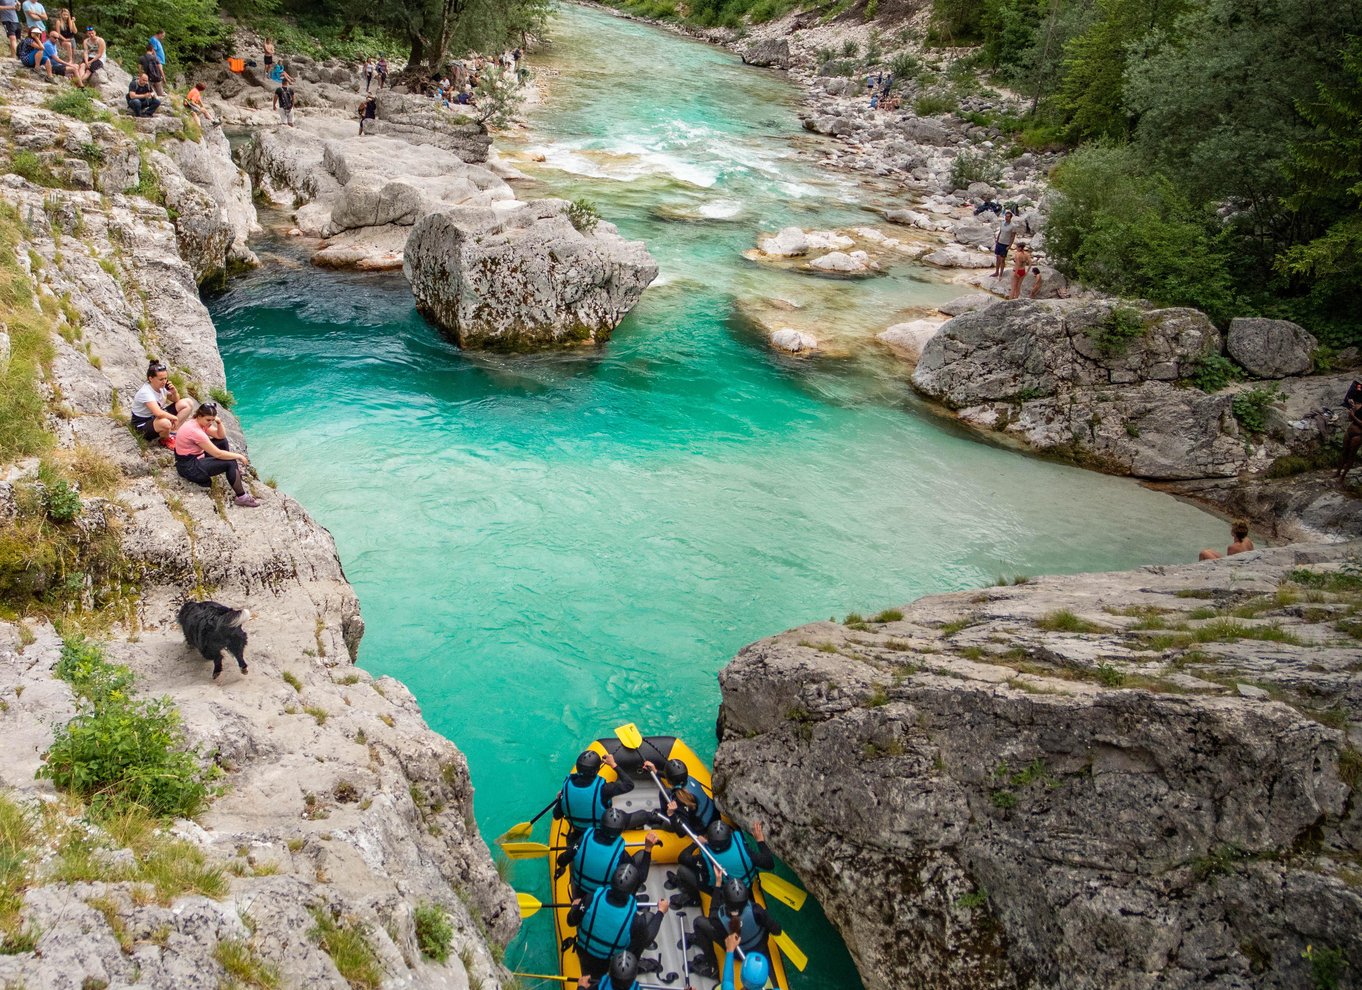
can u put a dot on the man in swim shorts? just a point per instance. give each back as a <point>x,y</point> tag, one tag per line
<point>1002,243</point>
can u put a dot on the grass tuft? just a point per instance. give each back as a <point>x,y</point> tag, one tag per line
<point>1065,621</point>
<point>348,946</point>
<point>245,968</point>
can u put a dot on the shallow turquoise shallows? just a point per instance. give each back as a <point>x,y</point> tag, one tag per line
<point>546,547</point>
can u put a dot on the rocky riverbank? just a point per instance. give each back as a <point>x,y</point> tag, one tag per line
<point>340,816</point>
<point>1127,780</point>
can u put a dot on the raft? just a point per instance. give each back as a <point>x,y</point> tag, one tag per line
<point>667,949</point>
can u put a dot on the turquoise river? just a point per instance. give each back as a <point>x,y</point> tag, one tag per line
<point>546,547</point>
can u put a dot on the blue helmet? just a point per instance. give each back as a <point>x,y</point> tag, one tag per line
<point>755,971</point>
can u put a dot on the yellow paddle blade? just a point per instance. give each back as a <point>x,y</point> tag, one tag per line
<point>630,736</point>
<point>529,904</point>
<point>783,891</point>
<point>546,976</point>
<point>520,830</point>
<point>788,949</point>
<point>524,850</point>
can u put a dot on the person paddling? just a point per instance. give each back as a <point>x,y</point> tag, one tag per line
<point>586,796</point>
<point>612,922</point>
<point>755,969</point>
<point>689,799</point>
<point>599,852</point>
<point>733,910</point>
<point>695,872</point>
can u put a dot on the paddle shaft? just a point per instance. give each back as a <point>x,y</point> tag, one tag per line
<point>694,838</point>
<point>548,807</point>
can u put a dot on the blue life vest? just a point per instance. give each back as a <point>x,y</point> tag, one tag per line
<point>705,810</point>
<point>751,935</point>
<point>583,806</point>
<point>735,861</point>
<point>605,928</point>
<point>594,862</point>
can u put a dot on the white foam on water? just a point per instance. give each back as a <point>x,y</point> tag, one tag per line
<point>720,209</point>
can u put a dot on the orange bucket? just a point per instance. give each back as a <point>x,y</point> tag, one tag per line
<point>236,64</point>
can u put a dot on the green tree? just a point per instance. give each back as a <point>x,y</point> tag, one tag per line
<point>1326,171</point>
<point>1133,234</point>
<point>195,31</point>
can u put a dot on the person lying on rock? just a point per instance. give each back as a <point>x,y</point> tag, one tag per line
<point>732,912</point>
<point>1352,439</point>
<point>142,99</point>
<point>612,922</point>
<point>157,409</point>
<point>1239,530</point>
<point>695,872</point>
<point>202,451</point>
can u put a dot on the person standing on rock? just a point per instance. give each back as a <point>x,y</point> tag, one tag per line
<point>267,50</point>
<point>367,71</point>
<point>1239,533</point>
<point>9,17</point>
<point>35,16</point>
<point>381,67</point>
<point>1021,267</point>
<point>155,46</point>
<point>1002,243</point>
<point>368,110</point>
<point>151,68</point>
<point>283,101</point>
<point>1352,439</point>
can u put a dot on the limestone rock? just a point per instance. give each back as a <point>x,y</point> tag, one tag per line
<point>768,52</point>
<point>523,280</point>
<point>853,263</point>
<point>208,165</point>
<point>1270,348</point>
<point>909,339</point>
<point>967,303</point>
<point>1035,809</point>
<point>790,242</point>
<point>793,341</point>
<point>956,257</point>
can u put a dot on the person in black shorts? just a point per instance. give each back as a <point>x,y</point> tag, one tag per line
<point>157,409</point>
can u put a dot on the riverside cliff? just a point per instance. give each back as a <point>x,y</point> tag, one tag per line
<point>341,820</point>
<point>1125,780</point>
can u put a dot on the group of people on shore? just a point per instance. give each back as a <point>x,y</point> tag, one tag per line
<point>880,86</point>
<point>48,45</point>
<point>612,927</point>
<point>193,431</point>
<point>1010,228</point>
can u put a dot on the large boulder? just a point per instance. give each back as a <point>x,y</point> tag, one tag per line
<point>1270,348</point>
<point>525,279</point>
<point>774,52</point>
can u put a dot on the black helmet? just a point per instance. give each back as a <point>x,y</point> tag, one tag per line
<point>677,773</point>
<point>624,969</point>
<point>589,763</point>
<point>614,822</point>
<point>719,835</point>
<point>626,879</point>
<point>735,893</point>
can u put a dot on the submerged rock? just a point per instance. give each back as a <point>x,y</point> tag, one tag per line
<point>793,341</point>
<point>1030,787</point>
<point>524,280</point>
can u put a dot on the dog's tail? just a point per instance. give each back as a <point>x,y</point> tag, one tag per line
<point>240,618</point>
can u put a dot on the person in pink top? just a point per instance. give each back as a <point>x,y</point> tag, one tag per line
<point>202,451</point>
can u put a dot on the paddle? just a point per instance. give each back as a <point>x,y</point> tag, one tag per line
<point>533,850</point>
<point>574,979</point>
<point>530,905</point>
<point>522,830</point>
<point>782,890</point>
<point>791,951</point>
<point>630,736</point>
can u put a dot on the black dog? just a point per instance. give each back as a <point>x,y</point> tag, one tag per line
<point>211,628</point>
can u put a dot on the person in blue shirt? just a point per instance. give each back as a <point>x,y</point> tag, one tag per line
<point>158,76</point>
<point>755,969</point>
<point>155,41</point>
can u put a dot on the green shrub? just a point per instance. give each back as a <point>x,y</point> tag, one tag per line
<point>970,166</point>
<point>434,931</point>
<point>933,103</point>
<point>1114,335</point>
<point>584,215</point>
<point>119,749</point>
<point>1212,372</point>
<point>1250,408</point>
<point>61,500</point>
<point>222,397</point>
<point>838,67</point>
<point>78,103</point>
<point>905,66</point>
<point>850,48</point>
<point>349,949</point>
<point>30,166</point>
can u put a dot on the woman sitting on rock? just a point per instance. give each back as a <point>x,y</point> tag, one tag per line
<point>1239,530</point>
<point>201,451</point>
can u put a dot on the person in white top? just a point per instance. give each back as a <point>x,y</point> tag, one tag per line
<point>157,409</point>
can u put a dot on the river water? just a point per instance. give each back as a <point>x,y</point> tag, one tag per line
<point>546,547</point>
